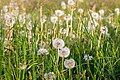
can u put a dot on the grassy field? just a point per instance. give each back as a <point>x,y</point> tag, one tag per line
<point>59,40</point>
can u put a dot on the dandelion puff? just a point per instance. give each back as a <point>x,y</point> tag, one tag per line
<point>42,51</point>
<point>64,52</point>
<point>101,12</point>
<point>117,10</point>
<point>5,8</point>
<point>95,15</point>
<point>59,12</point>
<point>80,10</point>
<point>43,19</point>
<point>71,2</point>
<point>50,76</point>
<point>87,57</point>
<point>58,43</point>
<point>68,17</point>
<point>104,30</point>
<point>62,31</point>
<point>63,5</point>
<point>54,19</point>
<point>69,63</point>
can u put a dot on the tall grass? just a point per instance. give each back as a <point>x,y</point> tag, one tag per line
<point>19,44</point>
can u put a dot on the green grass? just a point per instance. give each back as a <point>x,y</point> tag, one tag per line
<point>105,64</point>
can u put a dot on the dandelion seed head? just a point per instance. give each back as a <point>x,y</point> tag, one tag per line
<point>64,52</point>
<point>43,19</point>
<point>71,2</point>
<point>87,57</point>
<point>101,12</point>
<point>62,31</point>
<point>68,17</point>
<point>104,30</point>
<point>80,10</point>
<point>54,19</point>
<point>63,5</point>
<point>5,8</point>
<point>58,43</point>
<point>59,12</point>
<point>95,15</point>
<point>49,76</point>
<point>117,10</point>
<point>69,63</point>
<point>42,51</point>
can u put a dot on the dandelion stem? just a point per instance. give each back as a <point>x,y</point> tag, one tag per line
<point>67,29</point>
<point>62,66</point>
<point>99,40</point>
<point>69,75</point>
<point>42,67</point>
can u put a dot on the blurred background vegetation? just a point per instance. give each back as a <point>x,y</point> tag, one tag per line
<point>32,5</point>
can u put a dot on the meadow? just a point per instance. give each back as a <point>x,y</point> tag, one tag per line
<point>59,40</point>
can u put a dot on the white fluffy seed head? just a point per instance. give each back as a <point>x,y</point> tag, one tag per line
<point>68,17</point>
<point>117,10</point>
<point>104,30</point>
<point>64,52</point>
<point>63,5</point>
<point>71,2</point>
<point>70,63</point>
<point>87,57</point>
<point>58,43</point>
<point>59,12</point>
<point>101,12</point>
<point>62,31</point>
<point>80,10</point>
<point>42,51</point>
<point>54,19</point>
<point>95,15</point>
<point>43,19</point>
<point>50,76</point>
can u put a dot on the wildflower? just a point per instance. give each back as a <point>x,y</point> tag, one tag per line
<point>101,12</point>
<point>22,66</point>
<point>42,51</point>
<point>95,15</point>
<point>59,13</point>
<point>50,76</point>
<point>43,19</point>
<point>63,5</point>
<point>70,63</point>
<point>22,19</point>
<point>54,19</point>
<point>117,10</point>
<point>58,43</point>
<point>71,2</point>
<point>64,52</point>
<point>87,57</point>
<point>7,16</point>
<point>62,31</point>
<point>5,9</point>
<point>104,30</point>
<point>92,25</point>
<point>69,17</point>
<point>80,10</point>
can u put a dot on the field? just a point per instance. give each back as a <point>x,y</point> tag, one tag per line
<point>59,39</point>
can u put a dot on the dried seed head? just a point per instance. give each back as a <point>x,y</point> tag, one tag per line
<point>70,63</point>
<point>64,52</point>
<point>58,43</point>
